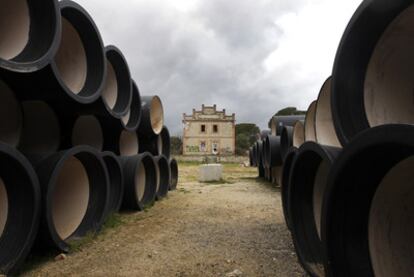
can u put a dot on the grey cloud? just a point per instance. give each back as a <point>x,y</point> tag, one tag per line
<point>212,55</point>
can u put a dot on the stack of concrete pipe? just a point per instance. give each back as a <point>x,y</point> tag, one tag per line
<point>77,141</point>
<point>347,182</point>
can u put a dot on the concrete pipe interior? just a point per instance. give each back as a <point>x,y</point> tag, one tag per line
<point>110,92</point>
<point>125,119</point>
<point>11,117</point>
<point>310,132</point>
<point>71,59</point>
<point>174,173</point>
<point>14,28</point>
<point>4,206</point>
<point>88,131</point>
<point>298,134</point>
<point>160,145</point>
<point>41,130</point>
<point>128,143</point>
<point>391,222</point>
<point>319,187</point>
<point>325,129</point>
<point>70,197</point>
<point>157,115</point>
<point>158,177</point>
<point>388,88</point>
<point>140,181</point>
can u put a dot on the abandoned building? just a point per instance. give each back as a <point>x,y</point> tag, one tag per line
<point>209,132</point>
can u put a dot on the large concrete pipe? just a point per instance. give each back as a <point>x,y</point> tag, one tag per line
<point>299,133</point>
<point>371,81</point>
<point>11,118</point>
<point>163,170</point>
<point>310,131</point>
<point>75,193</point>
<point>264,134</point>
<point>259,153</point>
<point>116,182</point>
<point>152,120</point>
<point>368,211</point>
<point>164,143</point>
<point>131,120</point>
<point>19,208</point>
<point>30,34</point>
<point>324,126</point>
<point>286,141</point>
<point>41,128</point>
<point>77,72</point>
<point>117,92</point>
<point>306,189</point>
<point>286,170</point>
<point>279,121</point>
<point>174,174</point>
<point>271,147</point>
<point>140,181</point>
<point>254,154</point>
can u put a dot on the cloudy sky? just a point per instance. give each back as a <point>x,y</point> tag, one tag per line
<point>252,57</point>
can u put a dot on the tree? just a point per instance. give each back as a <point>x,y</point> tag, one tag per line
<point>245,137</point>
<point>176,145</point>
<point>290,111</point>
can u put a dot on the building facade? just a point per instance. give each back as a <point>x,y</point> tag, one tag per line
<point>209,132</point>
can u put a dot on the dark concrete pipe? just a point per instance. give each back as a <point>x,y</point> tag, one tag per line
<point>117,92</point>
<point>310,131</point>
<point>254,155</point>
<point>156,145</point>
<point>77,72</point>
<point>287,167</point>
<point>163,176</point>
<point>307,185</point>
<point>11,118</point>
<point>30,34</point>
<point>251,162</point>
<point>116,182</point>
<point>19,208</point>
<point>324,126</point>
<point>152,120</point>
<point>41,131</point>
<point>371,81</point>
<point>75,194</point>
<point>259,153</point>
<point>272,151</point>
<point>299,133</point>
<point>174,174</point>
<point>140,181</point>
<point>132,119</point>
<point>264,134</point>
<point>368,214</point>
<point>286,141</point>
<point>278,122</point>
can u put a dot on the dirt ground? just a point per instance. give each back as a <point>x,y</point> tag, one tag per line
<point>229,228</point>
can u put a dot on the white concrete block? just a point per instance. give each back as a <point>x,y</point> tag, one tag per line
<point>210,172</point>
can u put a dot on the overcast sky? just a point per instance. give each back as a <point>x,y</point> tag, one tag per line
<point>252,57</point>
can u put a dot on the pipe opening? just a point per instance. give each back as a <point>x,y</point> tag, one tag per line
<point>71,58</point>
<point>88,131</point>
<point>159,145</point>
<point>157,176</point>
<point>125,119</point>
<point>157,115</point>
<point>388,88</point>
<point>140,181</point>
<point>391,222</point>
<point>325,129</point>
<point>319,187</point>
<point>115,185</point>
<point>128,143</point>
<point>4,206</point>
<point>70,197</point>
<point>298,134</point>
<point>14,28</point>
<point>310,133</point>
<point>41,129</point>
<point>10,116</point>
<point>174,174</point>
<point>110,92</point>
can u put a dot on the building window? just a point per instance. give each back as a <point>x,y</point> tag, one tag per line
<point>203,128</point>
<point>203,146</point>
<point>215,129</point>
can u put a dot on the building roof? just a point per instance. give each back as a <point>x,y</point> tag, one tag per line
<point>209,113</point>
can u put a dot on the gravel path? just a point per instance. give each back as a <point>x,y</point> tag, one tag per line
<point>235,228</point>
